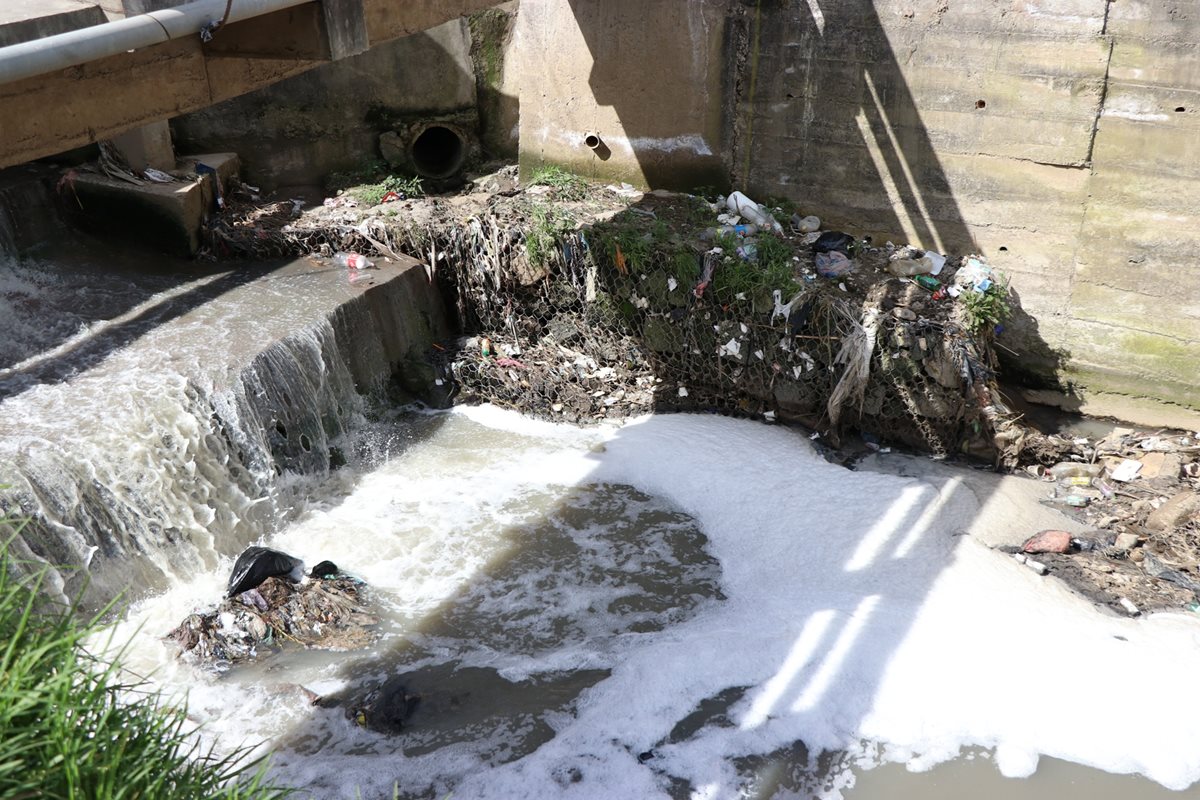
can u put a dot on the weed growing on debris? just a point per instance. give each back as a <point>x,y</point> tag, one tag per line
<point>773,269</point>
<point>685,266</point>
<point>547,225</point>
<point>372,194</point>
<point>68,727</point>
<point>629,250</point>
<point>568,185</point>
<point>372,182</point>
<point>985,310</point>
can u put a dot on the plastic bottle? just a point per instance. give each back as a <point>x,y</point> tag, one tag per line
<point>744,207</point>
<point>928,282</point>
<point>1074,469</point>
<point>809,224</point>
<point>907,267</point>
<point>352,261</point>
<point>1075,480</point>
<point>729,230</point>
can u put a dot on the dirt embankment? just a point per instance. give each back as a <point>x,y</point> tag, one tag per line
<point>580,303</point>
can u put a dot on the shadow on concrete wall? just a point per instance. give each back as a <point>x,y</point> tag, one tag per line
<point>499,111</point>
<point>817,110</point>
<point>650,64</point>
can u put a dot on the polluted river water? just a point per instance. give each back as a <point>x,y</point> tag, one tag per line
<point>666,609</point>
<point>680,607</point>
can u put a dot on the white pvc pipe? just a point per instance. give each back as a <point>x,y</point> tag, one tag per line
<point>73,48</point>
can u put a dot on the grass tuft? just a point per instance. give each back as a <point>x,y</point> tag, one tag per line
<point>370,183</point>
<point>72,727</point>
<point>772,269</point>
<point>983,311</point>
<point>567,185</point>
<point>547,225</point>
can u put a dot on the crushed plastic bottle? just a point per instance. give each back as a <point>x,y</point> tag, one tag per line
<point>728,230</point>
<point>743,206</point>
<point>1074,469</point>
<point>907,267</point>
<point>352,261</point>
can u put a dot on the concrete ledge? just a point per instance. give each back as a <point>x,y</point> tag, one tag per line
<point>1146,411</point>
<point>26,20</point>
<point>166,216</point>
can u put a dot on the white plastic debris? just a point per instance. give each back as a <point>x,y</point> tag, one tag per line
<point>732,349</point>
<point>157,176</point>
<point>1127,470</point>
<point>1036,566</point>
<point>743,206</point>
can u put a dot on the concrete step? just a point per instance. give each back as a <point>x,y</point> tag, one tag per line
<point>26,20</point>
<point>166,216</point>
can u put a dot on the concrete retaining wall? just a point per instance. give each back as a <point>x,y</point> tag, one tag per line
<point>1044,136</point>
<point>328,119</point>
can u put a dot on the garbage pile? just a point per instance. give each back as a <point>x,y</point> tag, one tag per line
<point>582,303</point>
<point>329,610</point>
<point>657,308</point>
<point>1139,493</point>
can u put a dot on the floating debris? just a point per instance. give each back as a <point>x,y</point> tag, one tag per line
<point>327,613</point>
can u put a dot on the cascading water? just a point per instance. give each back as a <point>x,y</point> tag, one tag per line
<point>27,214</point>
<point>667,609</point>
<point>146,445</point>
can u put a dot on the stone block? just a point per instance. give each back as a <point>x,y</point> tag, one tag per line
<point>1156,21</point>
<point>1157,142</point>
<point>148,146</point>
<point>166,216</point>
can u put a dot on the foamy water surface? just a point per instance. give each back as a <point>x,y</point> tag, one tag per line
<point>665,608</point>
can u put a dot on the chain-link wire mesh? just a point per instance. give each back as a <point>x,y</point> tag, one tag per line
<point>580,311</point>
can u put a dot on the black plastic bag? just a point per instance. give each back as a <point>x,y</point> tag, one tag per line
<point>831,241</point>
<point>256,564</point>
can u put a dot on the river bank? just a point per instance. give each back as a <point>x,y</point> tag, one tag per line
<point>583,303</point>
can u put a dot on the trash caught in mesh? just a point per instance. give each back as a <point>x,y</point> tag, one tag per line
<point>330,613</point>
<point>621,304</point>
<point>625,316</point>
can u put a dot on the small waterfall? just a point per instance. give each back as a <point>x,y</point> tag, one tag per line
<point>169,454</point>
<point>28,213</point>
<point>8,231</point>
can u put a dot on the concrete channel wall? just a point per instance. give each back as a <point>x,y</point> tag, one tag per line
<point>328,119</point>
<point>1057,139</point>
<point>72,107</point>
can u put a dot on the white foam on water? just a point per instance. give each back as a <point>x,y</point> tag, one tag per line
<point>854,610</point>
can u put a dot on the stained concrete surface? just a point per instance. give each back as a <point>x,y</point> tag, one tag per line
<point>25,20</point>
<point>1057,141</point>
<point>329,119</point>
